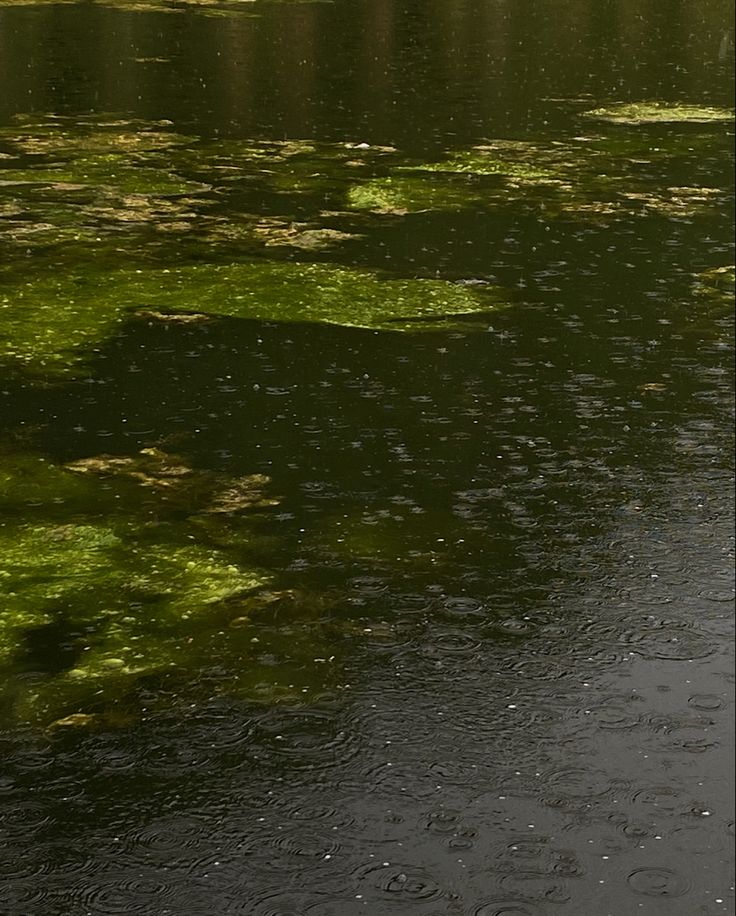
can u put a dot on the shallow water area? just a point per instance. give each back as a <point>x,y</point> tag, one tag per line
<point>366,473</point>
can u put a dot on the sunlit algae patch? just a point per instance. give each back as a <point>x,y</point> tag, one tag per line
<point>45,323</point>
<point>659,113</point>
<point>207,7</point>
<point>114,569</point>
<point>585,178</point>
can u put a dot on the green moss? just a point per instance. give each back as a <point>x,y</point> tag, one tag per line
<point>659,113</point>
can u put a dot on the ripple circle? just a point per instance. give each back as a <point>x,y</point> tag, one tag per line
<point>505,908</point>
<point>657,882</point>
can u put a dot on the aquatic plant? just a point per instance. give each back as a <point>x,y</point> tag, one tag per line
<point>206,7</point>
<point>587,177</point>
<point>659,113</point>
<point>108,188</point>
<point>401,194</point>
<point>50,323</point>
<point>117,569</point>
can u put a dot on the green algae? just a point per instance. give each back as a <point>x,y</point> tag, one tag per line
<point>635,113</point>
<point>134,580</point>
<point>588,177</point>
<point>407,194</point>
<point>105,172</point>
<point>105,187</point>
<point>206,7</point>
<point>113,581</point>
<point>113,204</point>
<point>97,180</point>
<point>679,202</point>
<point>47,324</point>
<point>489,176</point>
<point>99,559</point>
<point>32,487</point>
<point>293,168</point>
<point>55,134</point>
<point>519,160</point>
<point>279,233</point>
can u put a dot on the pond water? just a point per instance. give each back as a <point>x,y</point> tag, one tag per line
<point>366,479</point>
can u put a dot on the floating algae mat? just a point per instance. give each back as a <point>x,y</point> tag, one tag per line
<point>587,177</point>
<point>659,113</point>
<point>116,190</point>
<point>119,212</point>
<point>206,7</point>
<point>119,569</point>
<point>402,194</point>
<point>45,324</point>
<point>122,188</point>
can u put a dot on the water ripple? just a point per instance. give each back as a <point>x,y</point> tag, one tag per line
<point>533,886</point>
<point>707,701</point>
<point>309,739</point>
<point>401,883</point>
<point>505,908</point>
<point>657,882</point>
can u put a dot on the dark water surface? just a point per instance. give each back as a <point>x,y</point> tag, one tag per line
<point>366,486</point>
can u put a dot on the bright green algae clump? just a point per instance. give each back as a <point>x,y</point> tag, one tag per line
<point>659,113</point>
<point>209,7</point>
<point>587,178</point>
<point>114,570</point>
<point>404,194</point>
<point>125,184</point>
<point>44,322</point>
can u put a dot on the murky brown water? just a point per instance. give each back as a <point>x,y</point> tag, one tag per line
<point>367,478</point>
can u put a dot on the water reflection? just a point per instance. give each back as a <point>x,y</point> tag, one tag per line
<point>420,77</point>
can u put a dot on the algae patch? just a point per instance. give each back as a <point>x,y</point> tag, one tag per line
<point>659,113</point>
<point>206,7</point>
<point>108,578</point>
<point>105,187</point>
<point>402,194</point>
<point>597,177</point>
<point>48,324</point>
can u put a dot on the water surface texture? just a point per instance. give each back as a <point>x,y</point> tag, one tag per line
<point>366,478</point>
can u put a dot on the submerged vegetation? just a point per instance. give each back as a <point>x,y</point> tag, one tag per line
<point>87,197</point>
<point>118,570</point>
<point>203,7</point>
<point>587,178</point>
<point>659,113</point>
<point>122,568</point>
<point>48,323</point>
